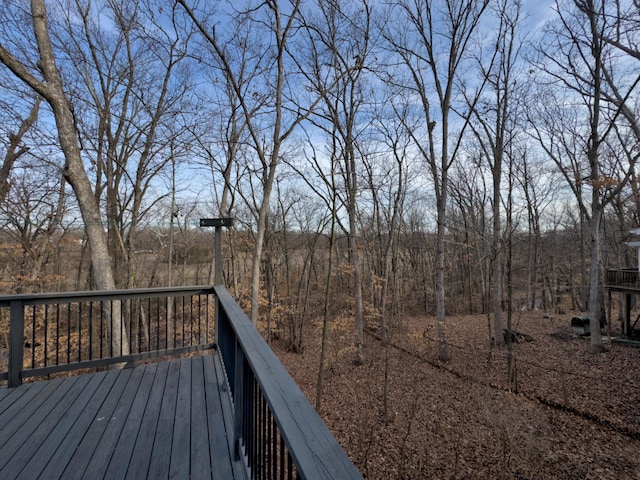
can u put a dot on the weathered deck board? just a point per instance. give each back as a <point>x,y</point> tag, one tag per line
<point>179,465</point>
<point>122,452</point>
<point>199,451</point>
<point>148,426</point>
<point>19,428</point>
<point>26,441</point>
<point>218,405</point>
<point>47,449</point>
<point>59,458</point>
<point>163,420</point>
<point>161,449</point>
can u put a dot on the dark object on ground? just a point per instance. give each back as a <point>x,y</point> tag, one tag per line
<point>515,337</point>
<point>582,325</point>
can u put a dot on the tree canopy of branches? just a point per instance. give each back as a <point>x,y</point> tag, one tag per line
<point>380,159</point>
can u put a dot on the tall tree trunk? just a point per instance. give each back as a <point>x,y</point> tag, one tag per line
<point>498,338</point>
<point>443,349</point>
<point>52,90</point>
<point>595,296</point>
<point>325,310</point>
<point>357,289</point>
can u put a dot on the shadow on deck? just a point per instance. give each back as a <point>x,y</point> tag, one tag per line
<point>231,412</point>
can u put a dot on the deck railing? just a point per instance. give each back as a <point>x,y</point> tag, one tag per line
<point>276,430</point>
<point>277,433</point>
<point>58,332</point>
<point>622,277</point>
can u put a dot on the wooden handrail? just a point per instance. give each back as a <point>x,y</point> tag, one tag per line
<point>314,451</point>
<point>97,295</point>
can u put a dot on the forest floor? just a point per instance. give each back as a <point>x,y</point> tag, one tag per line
<point>567,414</point>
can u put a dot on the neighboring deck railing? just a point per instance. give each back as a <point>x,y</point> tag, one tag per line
<point>622,277</point>
<point>277,433</point>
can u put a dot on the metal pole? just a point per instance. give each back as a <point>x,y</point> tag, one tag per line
<point>218,223</point>
<point>217,279</point>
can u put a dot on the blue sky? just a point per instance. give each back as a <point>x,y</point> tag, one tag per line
<point>539,11</point>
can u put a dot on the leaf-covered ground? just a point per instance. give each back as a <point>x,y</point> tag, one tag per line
<point>566,414</point>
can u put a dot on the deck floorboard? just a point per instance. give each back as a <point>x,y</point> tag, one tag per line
<point>162,420</point>
<point>148,426</point>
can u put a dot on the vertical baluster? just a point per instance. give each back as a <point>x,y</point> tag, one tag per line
<point>90,330</point>
<point>169,315</point>
<point>45,361</point>
<point>128,305</point>
<point>57,333</point>
<point>101,328</point>
<point>255,428</point>
<point>258,431</point>
<point>273,457</point>
<point>249,419</point>
<point>239,397</point>
<point>200,320</point>
<point>121,327</point>
<point>191,322</point>
<point>269,443</point>
<point>33,336</point>
<point>252,418</point>
<point>139,320</point>
<point>183,314</point>
<point>281,457</point>
<point>79,331</point>
<point>166,300</point>
<point>265,452</point>
<point>206,318</point>
<point>69,333</point>
<point>149,323</point>
<point>111,328</point>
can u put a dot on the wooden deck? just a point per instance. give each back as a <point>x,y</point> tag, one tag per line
<point>162,420</point>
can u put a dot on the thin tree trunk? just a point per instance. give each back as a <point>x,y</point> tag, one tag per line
<point>443,349</point>
<point>325,313</point>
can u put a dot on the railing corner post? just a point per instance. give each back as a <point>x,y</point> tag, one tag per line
<point>16,343</point>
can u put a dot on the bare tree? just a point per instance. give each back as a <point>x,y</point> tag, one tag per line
<point>132,97</point>
<point>336,65</point>
<point>16,148</point>
<point>222,146</point>
<point>494,127</point>
<point>536,186</point>
<point>387,180</point>
<point>44,78</point>
<point>435,38</point>
<point>33,209</point>
<point>577,58</point>
<point>267,97</point>
<point>470,228</point>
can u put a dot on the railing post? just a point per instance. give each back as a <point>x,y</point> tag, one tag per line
<point>218,223</point>
<point>16,343</point>
<point>218,256</point>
